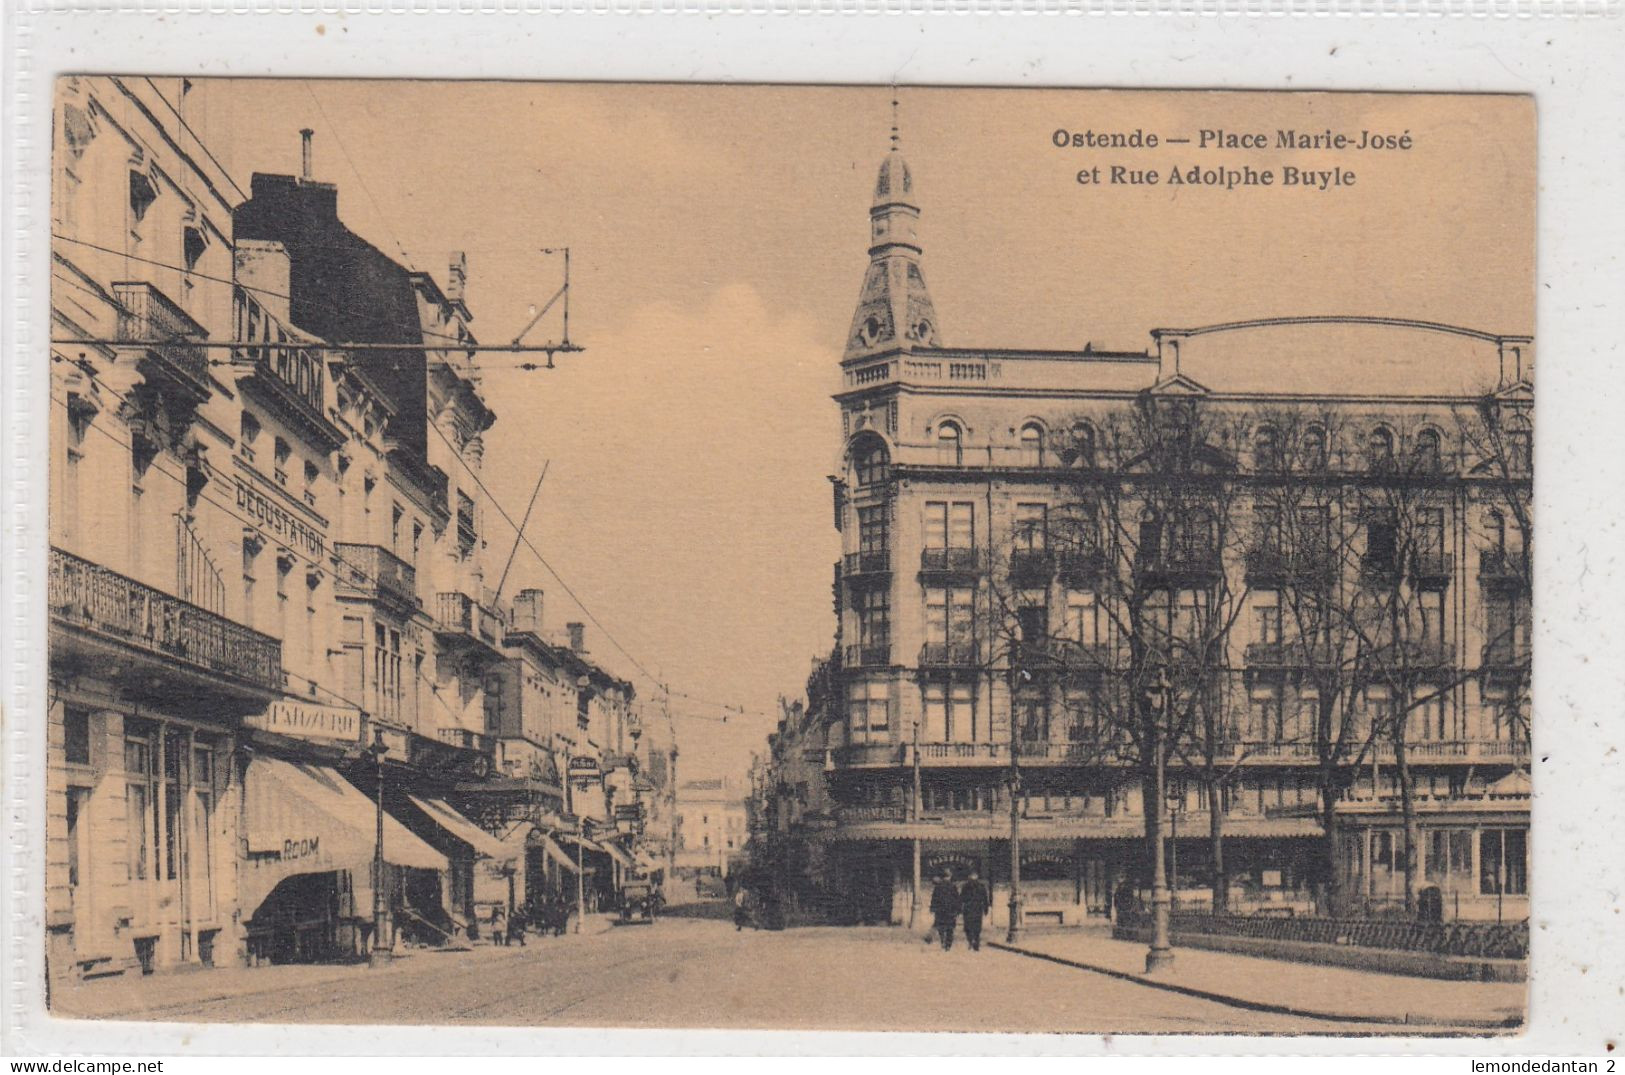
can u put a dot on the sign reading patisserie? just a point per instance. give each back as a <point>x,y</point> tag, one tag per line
<point>308,720</point>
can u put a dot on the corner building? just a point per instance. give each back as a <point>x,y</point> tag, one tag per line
<point>1034,540</point>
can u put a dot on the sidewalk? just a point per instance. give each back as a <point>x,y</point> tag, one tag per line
<point>169,995</point>
<point>1288,988</point>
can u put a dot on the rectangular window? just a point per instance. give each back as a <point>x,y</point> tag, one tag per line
<point>869,709</point>
<point>950,525</point>
<point>950,615</point>
<point>1032,715</point>
<point>396,515</point>
<point>139,804</point>
<point>1503,862</point>
<point>1032,527</point>
<point>417,542</point>
<point>874,537</point>
<point>1430,531</point>
<point>1381,541</point>
<point>175,769</point>
<point>77,800</point>
<point>1267,616</point>
<point>874,617</point>
<point>76,736</point>
<point>1430,603</point>
<point>1266,715</point>
<point>467,535</point>
<point>1082,618</point>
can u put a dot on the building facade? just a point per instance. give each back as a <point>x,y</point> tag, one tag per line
<point>712,826</point>
<point>1267,581</point>
<point>270,584</point>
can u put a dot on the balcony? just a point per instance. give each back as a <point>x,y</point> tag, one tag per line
<point>1425,656</point>
<point>1504,751</point>
<point>964,753</point>
<point>1181,564</point>
<point>1288,656</point>
<point>950,561</point>
<point>375,573</point>
<point>463,623</point>
<point>874,566</point>
<point>950,655</point>
<point>1503,569</point>
<point>1432,570</point>
<point>170,337</point>
<point>1506,664</point>
<point>1271,567</point>
<point>463,739</point>
<point>1082,570</point>
<point>1031,567</point>
<point>1085,658</point>
<point>868,655</point>
<point>118,615</point>
<point>1036,751</point>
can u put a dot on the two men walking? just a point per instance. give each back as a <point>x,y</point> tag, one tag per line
<point>949,902</point>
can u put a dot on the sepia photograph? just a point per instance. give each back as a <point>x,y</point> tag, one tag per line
<point>817,558</point>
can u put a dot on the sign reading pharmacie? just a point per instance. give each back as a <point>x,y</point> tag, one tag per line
<point>308,720</point>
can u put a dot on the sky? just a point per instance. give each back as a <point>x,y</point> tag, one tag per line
<point>718,237</point>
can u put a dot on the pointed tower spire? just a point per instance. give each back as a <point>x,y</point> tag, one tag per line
<point>894,308</point>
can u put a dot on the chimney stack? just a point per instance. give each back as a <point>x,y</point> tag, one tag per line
<point>578,636</point>
<point>456,276</point>
<point>304,154</point>
<point>527,611</point>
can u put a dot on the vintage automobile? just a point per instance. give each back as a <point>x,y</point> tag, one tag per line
<point>638,902</point>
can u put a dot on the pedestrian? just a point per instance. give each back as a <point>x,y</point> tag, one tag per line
<point>944,909</point>
<point>973,905</point>
<point>741,908</point>
<point>517,923</point>
<point>499,926</point>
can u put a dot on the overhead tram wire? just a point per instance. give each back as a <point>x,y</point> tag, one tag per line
<point>382,218</point>
<point>201,144</point>
<point>452,343</point>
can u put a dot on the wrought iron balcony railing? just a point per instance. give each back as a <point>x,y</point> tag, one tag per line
<point>1181,562</point>
<point>1506,663</point>
<point>116,608</point>
<point>1031,567</point>
<point>1290,654</point>
<point>868,655</point>
<point>1432,568</point>
<point>147,315</point>
<point>465,739</point>
<point>1271,566</point>
<point>1500,567</point>
<point>1082,569</point>
<point>374,571</point>
<point>949,655</point>
<point>865,565</point>
<point>950,561</point>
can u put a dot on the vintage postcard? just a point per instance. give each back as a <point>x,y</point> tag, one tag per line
<point>750,556</point>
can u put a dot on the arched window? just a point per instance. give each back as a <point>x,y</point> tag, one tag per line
<point>1429,457</point>
<point>1379,449</point>
<point>1266,449</point>
<point>1032,445</point>
<point>950,444</point>
<point>870,460</point>
<point>1083,443</point>
<point>1313,448</point>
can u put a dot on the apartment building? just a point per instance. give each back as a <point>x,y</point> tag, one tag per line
<point>1288,558</point>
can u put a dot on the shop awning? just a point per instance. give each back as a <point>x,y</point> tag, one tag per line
<point>553,850</point>
<point>301,818</point>
<point>647,862</point>
<point>484,844</point>
<point>614,852</point>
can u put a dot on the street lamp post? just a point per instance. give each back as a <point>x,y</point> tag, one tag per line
<point>914,804</point>
<point>1012,935</point>
<point>379,954</point>
<point>1161,955</point>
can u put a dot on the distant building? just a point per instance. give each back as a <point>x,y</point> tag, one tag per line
<point>711,825</point>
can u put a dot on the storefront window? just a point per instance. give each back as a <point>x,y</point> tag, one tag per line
<point>1503,862</point>
<point>139,802</point>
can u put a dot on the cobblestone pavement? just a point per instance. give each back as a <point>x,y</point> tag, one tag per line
<point>691,971</point>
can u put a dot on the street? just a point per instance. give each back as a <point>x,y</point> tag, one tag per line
<point>691,969</point>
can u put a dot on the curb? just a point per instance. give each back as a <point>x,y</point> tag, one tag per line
<point>1406,1019</point>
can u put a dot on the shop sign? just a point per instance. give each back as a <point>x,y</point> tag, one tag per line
<point>278,522</point>
<point>300,849</point>
<point>308,720</point>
